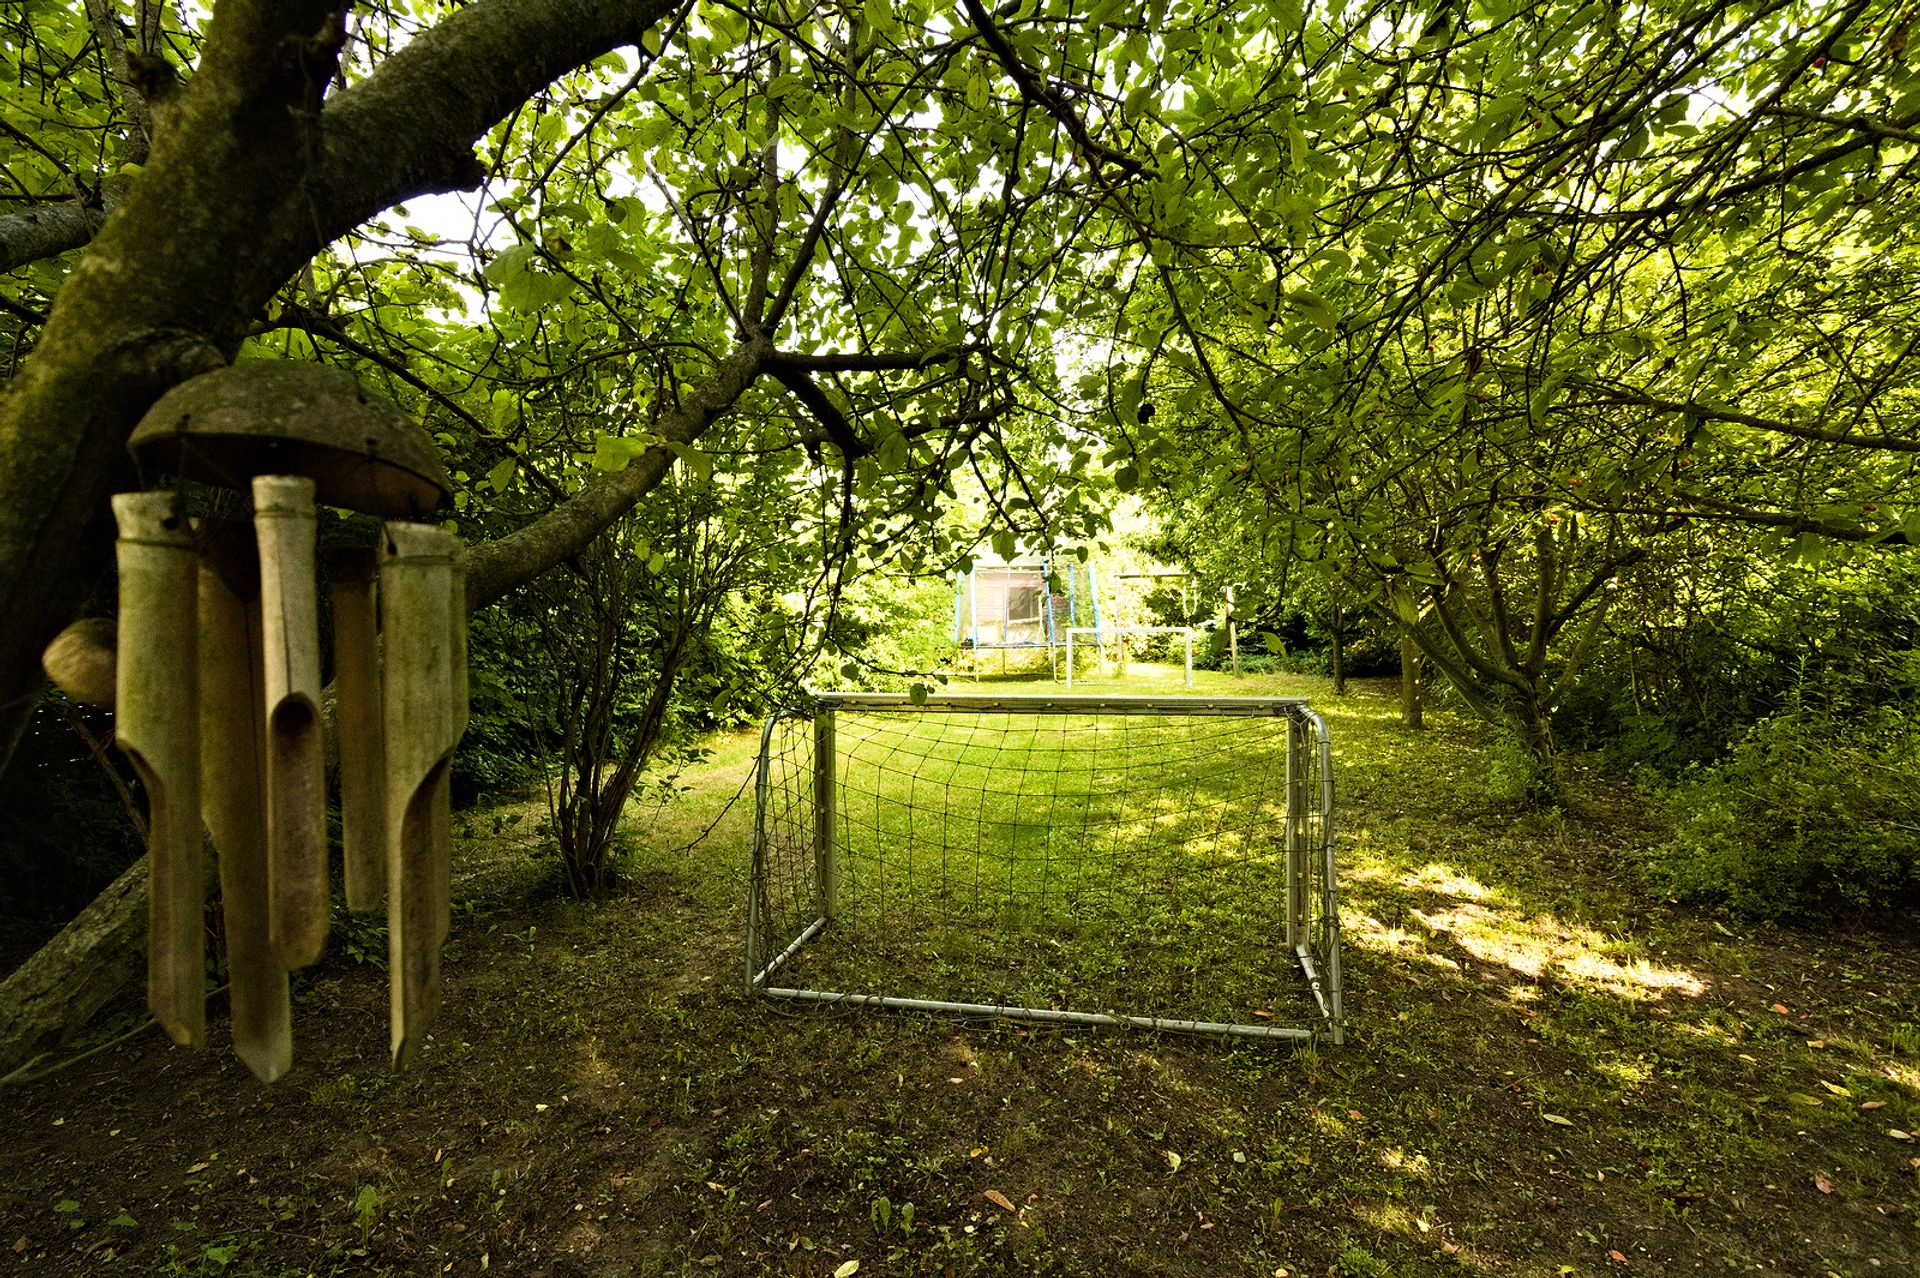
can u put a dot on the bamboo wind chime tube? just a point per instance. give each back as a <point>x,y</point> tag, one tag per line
<point>156,722</point>
<point>422,624</point>
<point>233,800</point>
<point>296,749</point>
<point>356,681</point>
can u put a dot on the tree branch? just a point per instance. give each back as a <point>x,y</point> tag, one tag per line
<point>803,388</point>
<point>52,229</point>
<point>496,567</point>
<point>1044,96</point>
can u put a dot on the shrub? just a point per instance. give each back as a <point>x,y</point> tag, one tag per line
<point>1809,813</point>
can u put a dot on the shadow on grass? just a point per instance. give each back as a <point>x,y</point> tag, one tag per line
<point>1552,1073</point>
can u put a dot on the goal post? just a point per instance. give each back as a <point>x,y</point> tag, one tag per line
<point>1164,862</point>
<point>1120,634</point>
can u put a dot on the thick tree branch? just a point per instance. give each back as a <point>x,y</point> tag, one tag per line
<point>408,129</point>
<point>1042,95</point>
<point>1813,434</point>
<point>834,422</point>
<point>866,362</point>
<point>47,231</point>
<point>248,179</point>
<point>496,567</point>
<point>105,21</point>
<point>1857,123</point>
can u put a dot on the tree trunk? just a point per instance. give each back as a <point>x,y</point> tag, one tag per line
<point>242,187</point>
<point>1338,628</point>
<point>250,174</point>
<point>1411,715</point>
<point>53,994</point>
<point>1534,719</point>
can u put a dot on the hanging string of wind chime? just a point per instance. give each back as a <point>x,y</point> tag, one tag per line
<point>218,693</point>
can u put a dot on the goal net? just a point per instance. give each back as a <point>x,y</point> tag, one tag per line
<point>1158,861</point>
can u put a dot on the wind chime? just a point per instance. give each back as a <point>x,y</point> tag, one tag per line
<point>219,699</point>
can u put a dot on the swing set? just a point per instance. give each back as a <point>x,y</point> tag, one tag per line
<point>1037,601</point>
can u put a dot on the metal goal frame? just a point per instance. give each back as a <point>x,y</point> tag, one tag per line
<point>1311,908</point>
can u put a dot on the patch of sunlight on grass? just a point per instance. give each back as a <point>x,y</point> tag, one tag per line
<point>1389,1218</point>
<point>1906,1076</point>
<point>1711,1033</point>
<point>592,1067</point>
<point>1448,882</point>
<point>1369,932</point>
<point>1393,1158</point>
<point>1329,1123</point>
<point>1545,947</point>
<point>1627,1073</point>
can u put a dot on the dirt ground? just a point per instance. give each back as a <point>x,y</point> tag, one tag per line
<point>1550,1072</point>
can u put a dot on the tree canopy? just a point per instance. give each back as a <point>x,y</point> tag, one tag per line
<point>1464,308</point>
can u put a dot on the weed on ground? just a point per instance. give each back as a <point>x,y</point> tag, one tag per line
<point>1551,1071</point>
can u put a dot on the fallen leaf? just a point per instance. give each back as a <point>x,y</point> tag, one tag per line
<point>1782,1009</point>
<point>1835,1088</point>
<point>1897,1134</point>
<point>1816,1043</point>
<point>1263,1015</point>
<point>998,1199</point>
<point>1355,1115</point>
<point>847,1270</point>
<point>1173,1160</point>
<point>20,1244</point>
<point>1617,1255</point>
<point>1822,1184</point>
<point>1556,1119</point>
<point>1873,1104</point>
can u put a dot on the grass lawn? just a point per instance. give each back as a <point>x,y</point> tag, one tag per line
<point>1549,1072</point>
<point>1088,862</point>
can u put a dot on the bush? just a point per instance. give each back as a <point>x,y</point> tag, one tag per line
<point>1808,814</point>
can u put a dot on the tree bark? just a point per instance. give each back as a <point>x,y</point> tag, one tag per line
<point>92,959</point>
<point>47,231</point>
<point>1411,712</point>
<point>250,174</point>
<point>1338,628</point>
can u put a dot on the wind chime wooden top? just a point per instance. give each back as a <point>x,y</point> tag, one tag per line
<point>283,417</point>
<point>226,727</point>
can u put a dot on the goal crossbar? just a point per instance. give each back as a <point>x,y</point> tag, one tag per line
<point>837,859</point>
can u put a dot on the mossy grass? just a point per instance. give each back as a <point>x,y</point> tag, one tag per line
<point>1553,1071</point>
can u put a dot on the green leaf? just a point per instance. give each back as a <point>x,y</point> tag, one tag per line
<point>699,465</point>
<point>500,478</point>
<point>509,263</point>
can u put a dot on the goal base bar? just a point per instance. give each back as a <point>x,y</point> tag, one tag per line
<point>757,983</point>
<point>1043,1015</point>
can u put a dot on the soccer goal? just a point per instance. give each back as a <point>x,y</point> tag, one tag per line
<point>1163,862</point>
